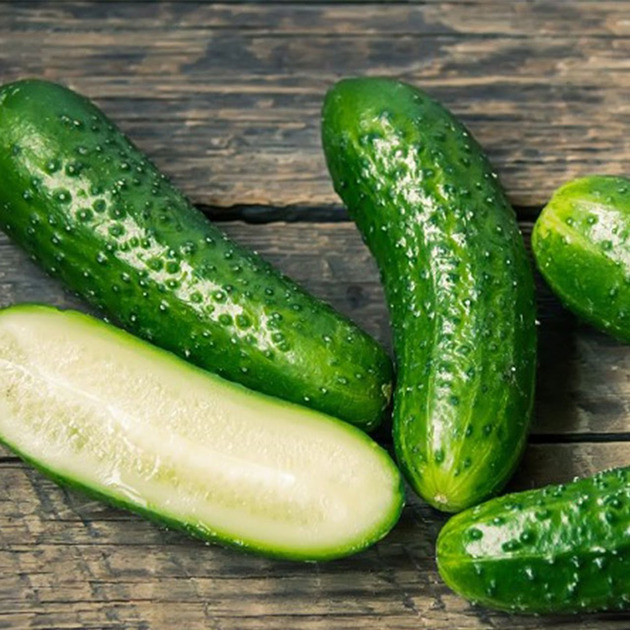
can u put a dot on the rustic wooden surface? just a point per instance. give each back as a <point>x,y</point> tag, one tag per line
<point>226,97</point>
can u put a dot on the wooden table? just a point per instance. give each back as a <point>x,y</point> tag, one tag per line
<point>226,98</point>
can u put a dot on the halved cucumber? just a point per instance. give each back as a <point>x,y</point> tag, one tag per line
<point>96,408</point>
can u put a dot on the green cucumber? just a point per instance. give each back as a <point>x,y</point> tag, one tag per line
<point>101,410</point>
<point>94,211</point>
<point>581,243</point>
<point>557,549</point>
<point>457,280</point>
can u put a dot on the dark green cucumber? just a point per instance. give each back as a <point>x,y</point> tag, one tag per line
<point>103,411</point>
<point>581,242</point>
<point>457,281</point>
<point>558,549</point>
<point>94,211</point>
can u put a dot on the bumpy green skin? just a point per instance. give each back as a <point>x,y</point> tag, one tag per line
<point>558,549</point>
<point>457,281</point>
<point>581,242</point>
<point>93,210</point>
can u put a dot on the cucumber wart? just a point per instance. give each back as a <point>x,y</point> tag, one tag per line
<point>91,209</point>
<point>101,410</point>
<point>457,280</point>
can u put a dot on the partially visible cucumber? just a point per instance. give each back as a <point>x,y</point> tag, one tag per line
<point>581,242</point>
<point>559,549</point>
<point>457,280</point>
<point>93,210</point>
<point>96,408</point>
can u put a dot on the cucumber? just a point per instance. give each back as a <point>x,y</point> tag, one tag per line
<point>94,211</point>
<point>581,243</point>
<point>557,549</point>
<point>457,281</point>
<point>106,412</point>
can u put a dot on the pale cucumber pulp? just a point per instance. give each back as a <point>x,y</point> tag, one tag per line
<point>96,408</point>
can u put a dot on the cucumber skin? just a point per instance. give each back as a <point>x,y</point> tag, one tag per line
<point>457,280</point>
<point>559,549</point>
<point>194,529</point>
<point>92,210</point>
<point>581,242</point>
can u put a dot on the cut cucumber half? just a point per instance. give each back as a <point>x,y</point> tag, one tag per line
<point>98,409</point>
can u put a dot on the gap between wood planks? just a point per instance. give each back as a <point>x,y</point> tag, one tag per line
<point>261,214</point>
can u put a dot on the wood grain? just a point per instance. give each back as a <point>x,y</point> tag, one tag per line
<point>71,562</point>
<point>226,97</point>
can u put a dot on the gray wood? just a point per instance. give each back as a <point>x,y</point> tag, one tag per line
<point>70,562</point>
<point>226,97</point>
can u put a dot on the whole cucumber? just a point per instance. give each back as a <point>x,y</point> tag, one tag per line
<point>581,242</point>
<point>558,549</point>
<point>93,210</point>
<point>457,281</point>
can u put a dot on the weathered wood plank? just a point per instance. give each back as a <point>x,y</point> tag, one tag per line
<point>476,17</point>
<point>226,97</point>
<point>584,376</point>
<point>68,561</point>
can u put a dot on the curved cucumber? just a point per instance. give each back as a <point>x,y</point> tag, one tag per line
<point>457,281</point>
<point>581,242</point>
<point>92,210</point>
<point>99,409</point>
<point>558,549</point>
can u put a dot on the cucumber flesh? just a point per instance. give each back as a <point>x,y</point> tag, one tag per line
<point>101,410</point>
